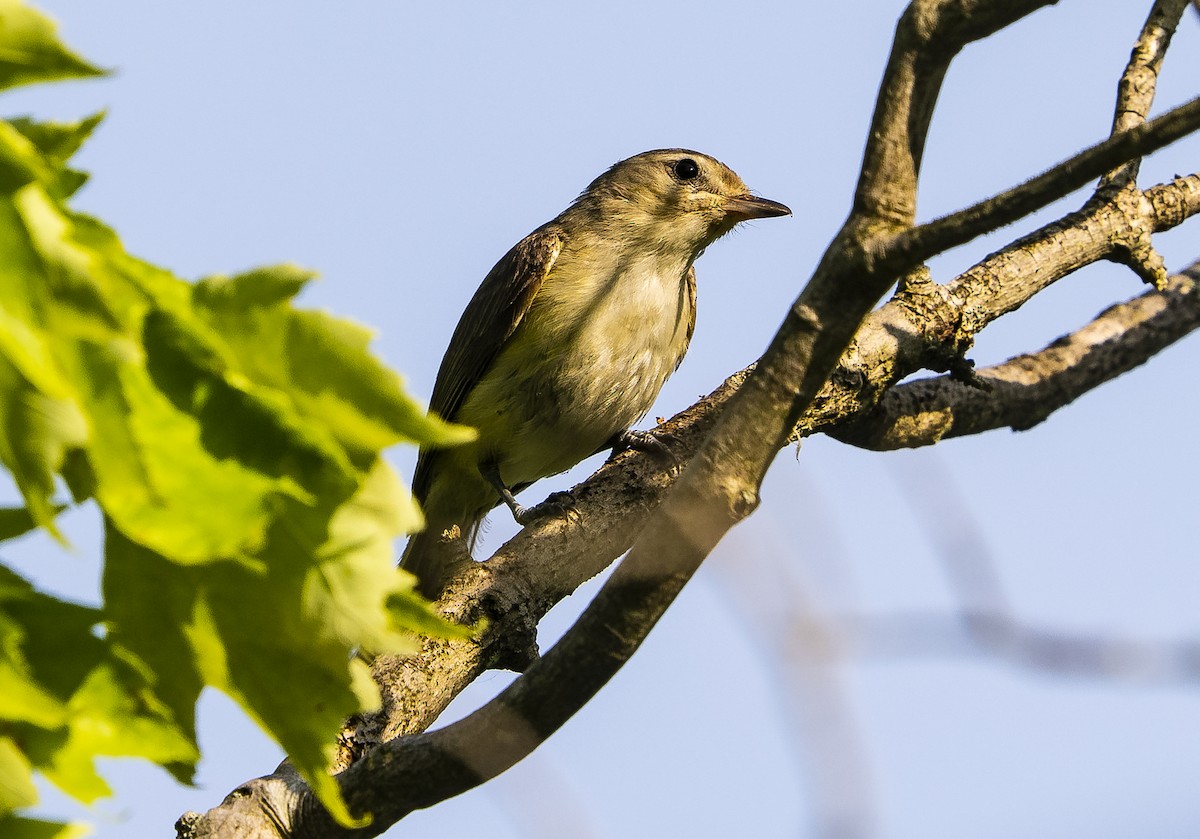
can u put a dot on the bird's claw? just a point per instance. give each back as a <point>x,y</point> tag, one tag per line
<point>643,441</point>
<point>556,505</point>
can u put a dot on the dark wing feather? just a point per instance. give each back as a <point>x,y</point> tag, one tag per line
<point>499,305</point>
<point>690,279</point>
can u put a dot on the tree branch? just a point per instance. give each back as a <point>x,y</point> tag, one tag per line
<point>1026,390</point>
<point>927,325</point>
<point>928,36</point>
<point>927,240</point>
<point>1135,91</point>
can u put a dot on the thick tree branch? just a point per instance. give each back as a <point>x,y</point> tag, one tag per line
<point>543,564</point>
<point>928,36</point>
<point>718,488</point>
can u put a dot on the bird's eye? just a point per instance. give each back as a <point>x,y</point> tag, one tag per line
<point>686,169</point>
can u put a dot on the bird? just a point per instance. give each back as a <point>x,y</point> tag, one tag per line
<point>569,339</point>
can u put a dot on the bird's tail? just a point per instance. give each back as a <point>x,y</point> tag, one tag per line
<point>433,558</point>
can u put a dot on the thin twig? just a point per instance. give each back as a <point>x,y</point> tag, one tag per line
<point>927,240</point>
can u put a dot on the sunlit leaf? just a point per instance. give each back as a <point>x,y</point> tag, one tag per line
<point>36,430</point>
<point>415,614</point>
<point>58,141</point>
<point>15,827</point>
<point>232,441</point>
<point>276,639</point>
<point>322,362</point>
<point>30,50</point>
<point>16,778</point>
<point>70,697</point>
<point>17,521</point>
<point>114,713</point>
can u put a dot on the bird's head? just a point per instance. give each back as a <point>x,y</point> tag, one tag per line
<point>673,198</point>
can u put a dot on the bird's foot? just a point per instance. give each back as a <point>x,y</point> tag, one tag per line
<point>556,505</point>
<point>643,441</point>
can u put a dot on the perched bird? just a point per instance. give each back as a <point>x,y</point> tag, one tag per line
<point>570,337</point>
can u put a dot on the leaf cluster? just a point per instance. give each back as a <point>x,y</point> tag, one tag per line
<point>231,443</point>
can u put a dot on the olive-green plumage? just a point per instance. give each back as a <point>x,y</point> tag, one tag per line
<point>571,335</point>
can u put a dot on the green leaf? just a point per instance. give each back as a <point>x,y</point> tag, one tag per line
<point>36,430</point>
<point>163,477</point>
<point>69,697</point>
<point>16,778</point>
<point>150,604</point>
<point>16,521</point>
<point>58,141</point>
<point>416,614</point>
<point>46,647</point>
<point>113,713</point>
<point>274,637</point>
<point>15,827</point>
<point>30,50</point>
<point>23,698</point>
<point>233,443</point>
<point>322,362</point>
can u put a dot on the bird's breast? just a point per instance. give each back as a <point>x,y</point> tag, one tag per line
<point>626,329</point>
<point>588,361</point>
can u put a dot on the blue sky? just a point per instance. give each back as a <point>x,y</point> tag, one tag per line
<point>400,149</point>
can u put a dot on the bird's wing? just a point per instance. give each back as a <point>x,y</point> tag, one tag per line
<point>499,305</point>
<point>690,280</point>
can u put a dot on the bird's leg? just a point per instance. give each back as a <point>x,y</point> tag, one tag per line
<point>557,504</point>
<point>642,441</point>
<point>491,473</point>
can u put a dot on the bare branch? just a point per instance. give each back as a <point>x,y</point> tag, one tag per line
<point>1135,95</point>
<point>927,240</point>
<point>718,488</point>
<point>928,36</point>
<point>1024,391</point>
<point>1135,92</point>
<point>544,563</point>
<point>928,324</point>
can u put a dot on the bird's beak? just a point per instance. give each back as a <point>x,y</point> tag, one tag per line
<point>751,206</point>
